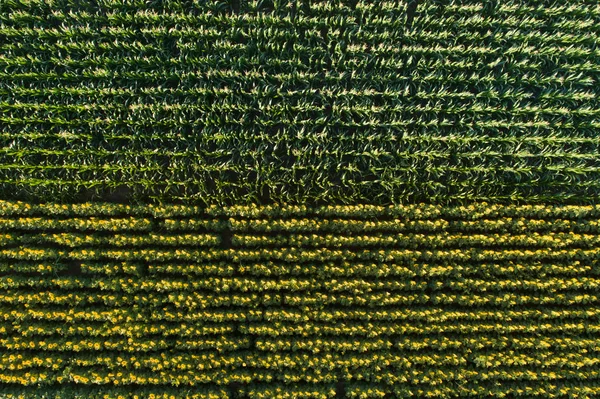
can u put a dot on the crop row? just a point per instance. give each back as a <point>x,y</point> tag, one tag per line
<point>426,381</point>
<point>305,225</point>
<point>330,288</point>
<point>356,390</point>
<point>337,269</point>
<point>302,255</point>
<point>425,310</point>
<point>287,333</point>
<point>310,370</point>
<point>172,12</point>
<point>379,240</point>
<point>300,213</point>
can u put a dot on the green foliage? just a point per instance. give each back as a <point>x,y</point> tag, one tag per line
<point>300,102</point>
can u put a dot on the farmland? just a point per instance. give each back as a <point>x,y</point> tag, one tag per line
<point>117,301</point>
<point>289,199</point>
<point>304,102</point>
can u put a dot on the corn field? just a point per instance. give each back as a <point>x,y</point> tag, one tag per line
<point>300,101</point>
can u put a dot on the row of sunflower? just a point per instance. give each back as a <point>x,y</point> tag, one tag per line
<point>411,211</point>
